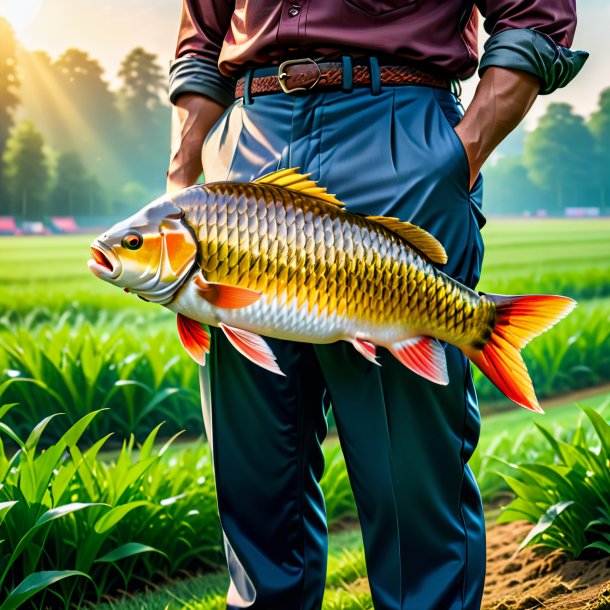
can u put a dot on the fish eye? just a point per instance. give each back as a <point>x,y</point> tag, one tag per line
<point>132,241</point>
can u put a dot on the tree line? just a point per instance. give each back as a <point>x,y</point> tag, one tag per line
<point>69,144</point>
<point>564,162</point>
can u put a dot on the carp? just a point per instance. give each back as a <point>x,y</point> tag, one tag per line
<point>282,257</point>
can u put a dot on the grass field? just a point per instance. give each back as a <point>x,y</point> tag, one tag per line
<point>535,247</point>
<point>82,342</point>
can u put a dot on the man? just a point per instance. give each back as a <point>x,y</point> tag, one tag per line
<point>374,120</point>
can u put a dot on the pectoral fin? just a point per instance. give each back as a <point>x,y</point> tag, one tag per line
<point>424,356</point>
<point>194,338</point>
<point>253,347</point>
<point>223,295</point>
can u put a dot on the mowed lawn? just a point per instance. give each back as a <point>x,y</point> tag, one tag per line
<point>519,248</point>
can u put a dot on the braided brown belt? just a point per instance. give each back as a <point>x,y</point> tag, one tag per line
<point>306,75</point>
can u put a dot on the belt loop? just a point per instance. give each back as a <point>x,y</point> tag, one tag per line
<point>375,76</point>
<point>247,88</point>
<point>348,75</point>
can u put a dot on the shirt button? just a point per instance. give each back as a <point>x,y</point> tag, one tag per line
<point>294,11</point>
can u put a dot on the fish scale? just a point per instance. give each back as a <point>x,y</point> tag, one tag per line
<point>281,257</point>
<point>289,246</point>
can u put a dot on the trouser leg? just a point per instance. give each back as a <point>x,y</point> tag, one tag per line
<point>266,430</point>
<point>406,440</point>
<point>266,434</point>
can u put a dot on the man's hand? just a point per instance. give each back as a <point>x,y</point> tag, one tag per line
<point>193,116</point>
<point>503,97</point>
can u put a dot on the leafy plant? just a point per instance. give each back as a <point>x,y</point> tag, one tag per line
<point>64,513</point>
<point>75,366</point>
<point>336,487</point>
<point>567,497</point>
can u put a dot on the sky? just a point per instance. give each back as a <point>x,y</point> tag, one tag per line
<point>109,30</point>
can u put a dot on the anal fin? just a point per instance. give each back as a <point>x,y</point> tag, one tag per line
<point>424,356</point>
<point>194,338</point>
<point>253,347</point>
<point>367,349</point>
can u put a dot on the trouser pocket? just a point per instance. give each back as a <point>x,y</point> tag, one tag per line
<point>452,113</point>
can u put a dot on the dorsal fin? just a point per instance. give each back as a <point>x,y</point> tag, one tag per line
<point>418,238</point>
<point>291,179</point>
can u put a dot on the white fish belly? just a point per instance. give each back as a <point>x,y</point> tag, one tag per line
<point>274,317</point>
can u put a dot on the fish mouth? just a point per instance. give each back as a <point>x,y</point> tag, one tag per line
<point>104,264</point>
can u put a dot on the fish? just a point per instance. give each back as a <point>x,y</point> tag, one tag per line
<point>282,257</point>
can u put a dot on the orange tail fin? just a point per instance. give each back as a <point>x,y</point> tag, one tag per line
<point>518,320</point>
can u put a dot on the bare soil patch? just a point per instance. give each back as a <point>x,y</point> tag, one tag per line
<point>537,578</point>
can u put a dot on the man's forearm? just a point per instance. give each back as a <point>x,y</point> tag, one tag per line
<point>503,97</point>
<point>193,116</point>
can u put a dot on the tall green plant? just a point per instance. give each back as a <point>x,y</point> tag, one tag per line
<point>567,498</point>
<point>64,512</point>
<point>75,367</point>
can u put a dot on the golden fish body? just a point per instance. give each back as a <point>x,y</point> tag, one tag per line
<point>325,274</point>
<point>281,257</point>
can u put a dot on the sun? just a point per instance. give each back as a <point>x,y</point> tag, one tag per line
<point>20,13</point>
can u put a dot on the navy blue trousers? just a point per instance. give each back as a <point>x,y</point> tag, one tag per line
<point>406,441</point>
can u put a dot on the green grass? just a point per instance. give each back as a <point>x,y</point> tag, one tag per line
<point>538,246</point>
<point>42,279</point>
<point>515,421</point>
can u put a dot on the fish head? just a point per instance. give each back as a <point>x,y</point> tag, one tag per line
<point>150,253</point>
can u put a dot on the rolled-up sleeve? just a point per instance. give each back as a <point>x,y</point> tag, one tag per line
<point>203,27</point>
<point>533,36</point>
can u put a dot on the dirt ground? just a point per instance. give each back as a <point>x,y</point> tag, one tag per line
<point>539,579</point>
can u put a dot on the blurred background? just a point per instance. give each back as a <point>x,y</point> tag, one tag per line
<point>112,495</point>
<point>84,118</point>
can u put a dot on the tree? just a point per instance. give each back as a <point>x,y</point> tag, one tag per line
<point>27,171</point>
<point>599,124</point>
<point>75,191</point>
<point>90,116</point>
<point>560,157</point>
<point>9,81</point>
<point>143,80</point>
<point>145,117</point>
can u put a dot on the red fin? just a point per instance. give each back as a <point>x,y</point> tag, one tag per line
<point>367,349</point>
<point>518,320</point>
<point>424,356</point>
<point>194,337</point>
<point>253,347</point>
<point>223,295</point>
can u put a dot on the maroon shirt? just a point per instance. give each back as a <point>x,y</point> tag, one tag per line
<point>240,34</point>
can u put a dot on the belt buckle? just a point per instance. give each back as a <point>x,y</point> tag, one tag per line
<point>282,75</point>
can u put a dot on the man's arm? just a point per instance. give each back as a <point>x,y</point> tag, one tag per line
<point>198,91</point>
<point>503,97</point>
<point>527,54</point>
<point>193,115</point>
